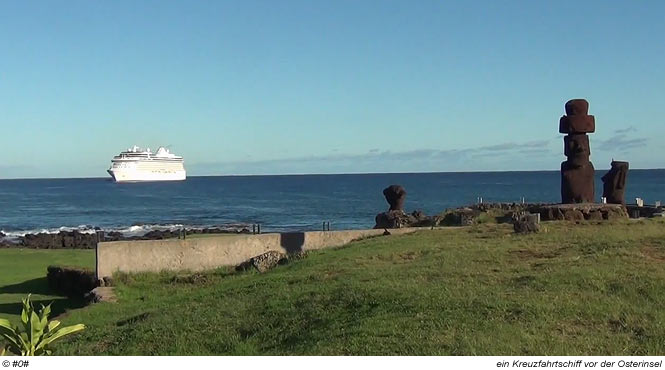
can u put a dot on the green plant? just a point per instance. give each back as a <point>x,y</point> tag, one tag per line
<point>36,334</point>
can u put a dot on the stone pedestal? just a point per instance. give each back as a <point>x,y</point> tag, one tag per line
<point>580,211</point>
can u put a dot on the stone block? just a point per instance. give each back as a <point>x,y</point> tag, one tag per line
<point>577,107</point>
<point>577,124</point>
<point>573,215</point>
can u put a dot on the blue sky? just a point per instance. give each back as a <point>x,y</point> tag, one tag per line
<point>270,87</point>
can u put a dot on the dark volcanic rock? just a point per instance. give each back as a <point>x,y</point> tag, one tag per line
<point>461,217</point>
<point>113,236</point>
<point>63,239</point>
<point>423,220</point>
<point>526,224</point>
<point>263,262</point>
<point>395,195</point>
<point>395,217</point>
<point>41,240</point>
<point>394,220</point>
<point>161,234</point>
<point>614,183</point>
<point>80,240</point>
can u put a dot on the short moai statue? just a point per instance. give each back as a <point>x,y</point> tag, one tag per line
<point>614,183</point>
<point>395,217</point>
<point>395,196</point>
<point>577,183</point>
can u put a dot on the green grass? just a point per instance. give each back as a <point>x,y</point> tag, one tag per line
<point>23,271</point>
<point>573,290</point>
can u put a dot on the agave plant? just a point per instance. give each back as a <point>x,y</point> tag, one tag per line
<point>35,335</point>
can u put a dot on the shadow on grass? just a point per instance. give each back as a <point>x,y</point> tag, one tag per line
<point>34,286</point>
<point>58,306</point>
<point>38,286</point>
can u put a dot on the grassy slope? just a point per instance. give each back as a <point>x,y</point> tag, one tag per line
<point>582,289</point>
<point>23,271</point>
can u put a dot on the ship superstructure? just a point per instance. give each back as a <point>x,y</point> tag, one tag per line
<point>136,164</point>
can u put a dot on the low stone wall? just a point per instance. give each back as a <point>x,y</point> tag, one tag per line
<point>197,254</point>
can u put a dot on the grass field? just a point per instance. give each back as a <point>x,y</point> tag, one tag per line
<point>23,271</point>
<point>583,289</point>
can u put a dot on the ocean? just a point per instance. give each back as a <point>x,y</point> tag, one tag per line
<point>278,203</point>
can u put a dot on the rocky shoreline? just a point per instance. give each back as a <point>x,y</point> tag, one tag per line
<point>396,218</point>
<point>88,240</point>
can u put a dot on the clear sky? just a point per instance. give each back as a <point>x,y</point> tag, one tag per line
<point>271,87</point>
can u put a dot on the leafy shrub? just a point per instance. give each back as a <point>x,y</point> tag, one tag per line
<point>35,335</point>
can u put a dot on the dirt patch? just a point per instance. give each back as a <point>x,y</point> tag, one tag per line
<point>524,280</point>
<point>532,253</point>
<point>189,279</point>
<point>653,253</point>
<point>133,319</point>
<point>409,256</point>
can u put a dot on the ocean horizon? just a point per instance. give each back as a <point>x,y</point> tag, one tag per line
<point>322,174</point>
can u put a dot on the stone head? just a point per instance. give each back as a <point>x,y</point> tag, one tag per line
<point>576,148</point>
<point>617,174</point>
<point>620,166</point>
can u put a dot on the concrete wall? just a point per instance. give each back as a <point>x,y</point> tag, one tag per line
<point>209,252</point>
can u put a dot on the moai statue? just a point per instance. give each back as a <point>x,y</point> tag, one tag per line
<point>395,195</point>
<point>577,185</point>
<point>614,183</point>
<point>395,217</point>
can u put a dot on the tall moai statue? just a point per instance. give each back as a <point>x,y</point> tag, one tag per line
<point>614,183</point>
<point>577,183</point>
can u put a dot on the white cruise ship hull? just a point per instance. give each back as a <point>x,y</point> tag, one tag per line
<point>135,164</point>
<point>138,176</point>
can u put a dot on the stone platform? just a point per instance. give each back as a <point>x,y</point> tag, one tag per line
<point>636,211</point>
<point>579,211</point>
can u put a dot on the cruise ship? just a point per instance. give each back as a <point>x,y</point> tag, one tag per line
<point>136,164</point>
